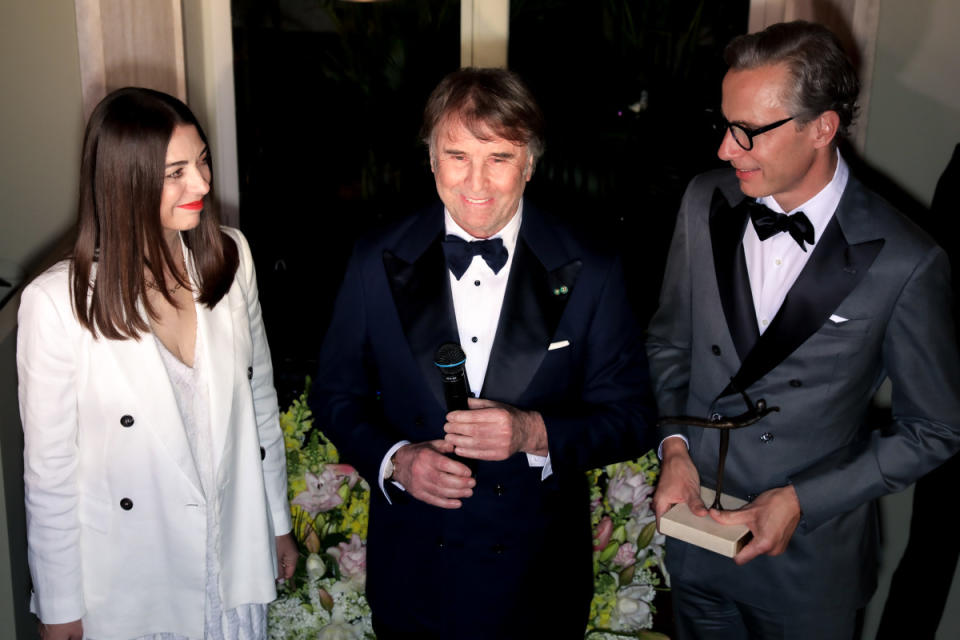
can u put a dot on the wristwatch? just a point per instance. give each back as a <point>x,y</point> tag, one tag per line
<point>389,467</point>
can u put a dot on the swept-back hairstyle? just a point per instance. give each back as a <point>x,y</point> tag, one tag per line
<point>486,100</point>
<point>823,76</point>
<point>118,226</point>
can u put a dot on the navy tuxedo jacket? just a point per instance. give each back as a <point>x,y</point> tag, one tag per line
<point>872,302</point>
<point>517,555</point>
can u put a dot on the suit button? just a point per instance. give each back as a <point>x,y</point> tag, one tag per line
<point>715,417</point>
<point>498,489</point>
<point>419,421</point>
<point>263,453</point>
<point>126,504</point>
<point>715,349</point>
<point>766,436</point>
<point>126,421</point>
<point>497,549</point>
<point>796,383</point>
<point>751,497</point>
<point>249,373</point>
<point>440,543</point>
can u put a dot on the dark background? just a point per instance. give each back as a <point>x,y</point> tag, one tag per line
<point>329,102</point>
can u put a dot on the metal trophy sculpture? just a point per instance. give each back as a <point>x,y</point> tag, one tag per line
<point>703,531</point>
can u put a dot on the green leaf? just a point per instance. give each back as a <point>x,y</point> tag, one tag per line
<point>609,551</point>
<point>646,536</point>
<point>619,534</point>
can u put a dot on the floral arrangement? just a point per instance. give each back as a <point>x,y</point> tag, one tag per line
<point>627,550</point>
<point>329,502</point>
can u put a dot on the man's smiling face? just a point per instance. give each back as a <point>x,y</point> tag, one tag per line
<point>479,180</point>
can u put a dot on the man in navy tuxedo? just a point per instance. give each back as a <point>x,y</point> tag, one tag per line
<point>553,357</point>
<point>790,281</point>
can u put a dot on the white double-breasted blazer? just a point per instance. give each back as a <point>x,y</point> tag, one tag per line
<point>116,516</point>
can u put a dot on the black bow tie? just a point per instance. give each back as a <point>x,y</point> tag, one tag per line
<point>460,253</point>
<point>769,223</point>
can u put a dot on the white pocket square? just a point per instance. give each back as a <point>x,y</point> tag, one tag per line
<point>558,345</point>
<point>837,319</point>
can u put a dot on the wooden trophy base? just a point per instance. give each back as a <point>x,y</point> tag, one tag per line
<point>704,531</point>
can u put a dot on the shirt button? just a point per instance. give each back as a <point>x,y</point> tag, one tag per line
<point>126,421</point>
<point>249,373</point>
<point>476,283</point>
<point>497,548</point>
<point>263,453</point>
<point>764,322</point>
<point>126,504</point>
<point>498,489</point>
<point>778,262</point>
<point>766,436</point>
<point>473,339</point>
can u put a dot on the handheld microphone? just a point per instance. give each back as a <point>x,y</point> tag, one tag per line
<point>450,361</point>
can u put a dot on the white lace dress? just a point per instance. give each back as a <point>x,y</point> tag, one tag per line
<point>248,621</point>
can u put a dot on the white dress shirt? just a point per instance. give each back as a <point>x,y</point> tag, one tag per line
<point>774,264</point>
<point>477,300</point>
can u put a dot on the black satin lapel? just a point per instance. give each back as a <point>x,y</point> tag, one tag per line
<point>835,268</point>
<point>733,282</point>
<point>532,306</point>
<point>421,294</point>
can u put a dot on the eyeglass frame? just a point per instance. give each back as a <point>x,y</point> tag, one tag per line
<point>752,133</point>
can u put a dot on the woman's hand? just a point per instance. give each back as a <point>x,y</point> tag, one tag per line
<point>287,555</point>
<point>64,631</point>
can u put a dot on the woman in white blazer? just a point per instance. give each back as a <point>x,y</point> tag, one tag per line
<point>154,461</point>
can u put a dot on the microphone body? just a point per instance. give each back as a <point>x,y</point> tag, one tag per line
<point>450,361</point>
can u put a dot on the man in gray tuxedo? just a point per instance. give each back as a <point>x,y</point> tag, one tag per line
<point>788,280</point>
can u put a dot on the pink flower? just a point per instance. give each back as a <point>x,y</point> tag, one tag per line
<point>352,559</point>
<point>626,555</point>
<point>322,492</point>
<point>604,531</point>
<point>628,488</point>
<point>346,472</point>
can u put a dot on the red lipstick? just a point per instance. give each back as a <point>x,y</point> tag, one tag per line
<point>196,205</point>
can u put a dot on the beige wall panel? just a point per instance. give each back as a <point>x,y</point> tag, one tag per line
<point>41,125</point>
<point>855,22</point>
<point>130,42</point>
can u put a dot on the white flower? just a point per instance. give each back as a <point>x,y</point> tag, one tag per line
<point>352,560</point>
<point>340,630</point>
<point>633,609</point>
<point>629,488</point>
<point>315,566</point>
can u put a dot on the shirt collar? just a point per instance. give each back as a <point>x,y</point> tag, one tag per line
<point>819,209</point>
<point>508,234</point>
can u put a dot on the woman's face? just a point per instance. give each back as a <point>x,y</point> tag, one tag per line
<point>186,180</point>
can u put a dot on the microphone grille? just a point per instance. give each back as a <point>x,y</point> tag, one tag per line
<point>449,353</point>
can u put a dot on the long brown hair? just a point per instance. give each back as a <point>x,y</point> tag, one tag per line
<point>118,227</point>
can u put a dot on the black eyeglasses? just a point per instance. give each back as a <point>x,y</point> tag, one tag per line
<point>744,137</point>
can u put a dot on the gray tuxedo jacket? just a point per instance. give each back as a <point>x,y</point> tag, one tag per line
<point>890,283</point>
